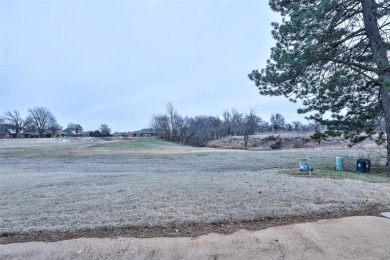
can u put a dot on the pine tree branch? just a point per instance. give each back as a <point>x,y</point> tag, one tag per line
<point>357,33</point>
<point>349,63</point>
<point>362,73</point>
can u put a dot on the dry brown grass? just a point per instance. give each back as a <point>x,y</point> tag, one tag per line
<point>50,185</point>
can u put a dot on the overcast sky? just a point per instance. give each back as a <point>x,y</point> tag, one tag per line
<point>121,62</point>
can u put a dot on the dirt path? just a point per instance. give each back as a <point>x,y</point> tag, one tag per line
<point>345,238</point>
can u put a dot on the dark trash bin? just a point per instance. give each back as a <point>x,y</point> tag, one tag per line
<point>363,165</point>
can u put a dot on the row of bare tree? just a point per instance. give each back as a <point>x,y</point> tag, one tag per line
<point>199,130</point>
<point>41,120</point>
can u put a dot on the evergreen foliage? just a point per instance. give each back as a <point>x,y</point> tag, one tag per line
<point>95,133</point>
<point>334,56</point>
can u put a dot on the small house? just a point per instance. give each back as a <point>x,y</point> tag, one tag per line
<point>147,132</point>
<point>7,131</point>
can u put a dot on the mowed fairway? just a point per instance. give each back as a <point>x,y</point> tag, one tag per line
<point>81,185</point>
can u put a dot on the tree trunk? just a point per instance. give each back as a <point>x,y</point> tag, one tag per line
<point>246,138</point>
<point>17,131</point>
<point>379,51</point>
<point>385,99</point>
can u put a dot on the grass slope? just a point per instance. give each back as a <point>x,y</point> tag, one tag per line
<point>137,144</point>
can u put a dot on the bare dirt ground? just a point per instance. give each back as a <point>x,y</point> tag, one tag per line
<point>345,238</point>
<point>53,190</point>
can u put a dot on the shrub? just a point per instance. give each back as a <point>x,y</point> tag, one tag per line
<point>318,136</point>
<point>276,145</point>
<point>272,138</point>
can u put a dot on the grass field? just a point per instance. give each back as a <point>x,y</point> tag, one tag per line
<point>86,183</point>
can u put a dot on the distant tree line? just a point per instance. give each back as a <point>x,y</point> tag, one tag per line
<point>199,130</point>
<point>41,122</point>
<point>104,131</point>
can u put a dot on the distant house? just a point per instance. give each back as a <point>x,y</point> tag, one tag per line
<point>147,132</point>
<point>7,131</point>
<point>61,133</point>
<point>30,134</point>
<point>120,134</point>
<point>35,134</point>
<point>69,132</point>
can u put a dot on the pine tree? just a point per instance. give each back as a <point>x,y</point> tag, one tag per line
<point>334,56</point>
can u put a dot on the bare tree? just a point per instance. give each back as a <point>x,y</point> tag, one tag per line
<point>105,130</point>
<point>54,127</point>
<point>41,118</point>
<point>202,129</point>
<point>288,127</point>
<point>174,122</point>
<point>161,125</point>
<point>226,124</point>
<point>77,129</point>
<point>14,118</point>
<point>192,131</point>
<point>199,130</point>
<point>277,122</point>
<point>262,126</point>
<point>170,125</point>
<point>297,125</point>
<point>249,126</point>
<point>71,126</point>
<point>237,120</point>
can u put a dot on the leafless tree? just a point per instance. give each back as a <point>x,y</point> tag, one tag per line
<point>277,122</point>
<point>105,130</point>
<point>249,126</point>
<point>71,126</point>
<point>54,127</point>
<point>77,129</point>
<point>202,129</point>
<point>14,118</point>
<point>226,123</point>
<point>288,127</point>
<point>199,130</point>
<point>237,120</point>
<point>170,125</point>
<point>160,124</point>
<point>192,131</point>
<point>297,126</point>
<point>263,126</point>
<point>174,122</point>
<point>41,118</point>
